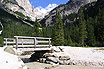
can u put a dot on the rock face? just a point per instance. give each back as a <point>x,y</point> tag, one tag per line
<point>22,6</point>
<point>71,7</point>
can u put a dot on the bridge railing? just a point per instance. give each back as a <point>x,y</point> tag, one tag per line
<point>31,42</point>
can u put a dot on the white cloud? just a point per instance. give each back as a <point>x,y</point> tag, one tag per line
<point>46,9</point>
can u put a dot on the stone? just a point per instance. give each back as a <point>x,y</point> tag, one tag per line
<point>61,49</point>
<point>48,55</point>
<point>60,62</point>
<point>53,59</point>
<point>56,49</point>
<point>9,50</point>
<point>65,62</point>
<point>42,60</point>
<point>50,62</point>
<point>64,58</point>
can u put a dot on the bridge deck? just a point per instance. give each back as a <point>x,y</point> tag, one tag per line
<point>34,49</point>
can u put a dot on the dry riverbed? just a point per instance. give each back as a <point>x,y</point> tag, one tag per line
<point>85,58</point>
<point>37,65</point>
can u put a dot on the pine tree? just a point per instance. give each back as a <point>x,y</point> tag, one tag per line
<point>101,27</point>
<point>82,27</point>
<point>58,32</point>
<point>67,37</point>
<point>36,28</point>
<point>91,36</point>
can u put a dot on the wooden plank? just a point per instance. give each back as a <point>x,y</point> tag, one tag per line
<point>34,49</point>
<point>9,42</point>
<point>43,41</point>
<point>26,40</point>
<point>24,46</point>
<point>32,37</point>
<point>32,46</point>
<point>16,42</point>
<point>42,38</point>
<point>9,39</point>
<point>42,45</point>
<point>49,43</point>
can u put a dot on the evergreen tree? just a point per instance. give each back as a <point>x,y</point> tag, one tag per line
<point>91,36</point>
<point>82,27</point>
<point>36,28</point>
<point>101,27</point>
<point>67,37</point>
<point>58,32</point>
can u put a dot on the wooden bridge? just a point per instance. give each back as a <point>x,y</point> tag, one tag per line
<point>24,43</point>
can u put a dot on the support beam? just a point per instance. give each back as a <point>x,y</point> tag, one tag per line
<point>16,42</point>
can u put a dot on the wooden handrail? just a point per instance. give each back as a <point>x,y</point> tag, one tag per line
<point>24,41</point>
<point>32,37</point>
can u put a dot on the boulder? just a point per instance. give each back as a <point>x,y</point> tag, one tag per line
<point>56,49</point>
<point>53,59</point>
<point>55,55</point>
<point>50,62</point>
<point>48,55</point>
<point>65,62</point>
<point>60,62</point>
<point>9,50</point>
<point>61,49</point>
<point>42,60</point>
<point>64,58</point>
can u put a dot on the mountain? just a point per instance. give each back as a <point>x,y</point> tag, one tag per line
<point>71,6</point>
<point>18,7</point>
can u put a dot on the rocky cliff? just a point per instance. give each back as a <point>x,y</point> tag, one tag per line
<point>65,9</point>
<point>21,6</point>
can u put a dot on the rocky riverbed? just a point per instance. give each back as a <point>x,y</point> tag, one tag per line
<point>61,57</point>
<point>38,65</point>
<point>64,55</point>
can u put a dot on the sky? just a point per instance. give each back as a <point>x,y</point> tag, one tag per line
<point>45,6</point>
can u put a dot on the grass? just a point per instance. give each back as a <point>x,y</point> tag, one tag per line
<point>100,49</point>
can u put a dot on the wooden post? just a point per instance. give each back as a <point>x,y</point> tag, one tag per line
<point>16,42</point>
<point>22,42</point>
<point>49,43</point>
<point>6,42</point>
<point>34,42</point>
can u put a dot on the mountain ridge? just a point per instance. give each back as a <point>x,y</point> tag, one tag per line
<point>71,6</point>
<point>22,6</point>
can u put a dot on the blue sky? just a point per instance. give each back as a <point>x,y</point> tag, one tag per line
<point>45,6</point>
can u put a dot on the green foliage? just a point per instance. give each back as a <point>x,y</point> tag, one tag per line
<point>47,32</point>
<point>1,41</point>
<point>58,32</point>
<point>82,27</point>
<point>37,32</point>
<point>101,26</point>
<point>100,49</point>
<point>90,29</point>
<point>20,14</point>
